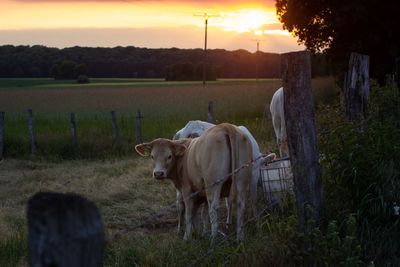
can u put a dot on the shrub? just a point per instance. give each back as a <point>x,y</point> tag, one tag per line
<point>83,79</point>
<point>361,172</point>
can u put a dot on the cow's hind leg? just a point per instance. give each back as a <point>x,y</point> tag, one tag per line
<point>189,206</point>
<point>213,204</point>
<point>242,184</point>
<point>205,218</point>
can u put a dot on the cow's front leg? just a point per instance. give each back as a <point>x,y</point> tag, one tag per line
<point>180,207</point>
<point>188,217</point>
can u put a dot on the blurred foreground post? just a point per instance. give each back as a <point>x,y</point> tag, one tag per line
<point>138,127</point>
<point>31,133</point>
<point>210,113</point>
<point>72,124</point>
<point>301,134</point>
<point>356,87</point>
<point>1,134</point>
<point>397,71</point>
<point>64,230</point>
<point>115,129</point>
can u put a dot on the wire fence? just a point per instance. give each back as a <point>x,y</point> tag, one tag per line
<point>159,213</point>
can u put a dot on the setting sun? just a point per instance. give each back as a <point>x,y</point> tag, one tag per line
<point>245,20</point>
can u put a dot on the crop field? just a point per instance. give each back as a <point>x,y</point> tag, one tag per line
<point>165,106</point>
<point>116,179</point>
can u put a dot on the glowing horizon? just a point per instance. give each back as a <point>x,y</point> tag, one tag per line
<point>43,15</point>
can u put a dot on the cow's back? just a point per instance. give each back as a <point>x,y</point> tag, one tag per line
<point>212,152</point>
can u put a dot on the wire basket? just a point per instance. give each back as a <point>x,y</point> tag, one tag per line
<point>277,181</point>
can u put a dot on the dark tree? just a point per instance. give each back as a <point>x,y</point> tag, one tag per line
<point>339,27</point>
<point>80,69</point>
<point>67,69</point>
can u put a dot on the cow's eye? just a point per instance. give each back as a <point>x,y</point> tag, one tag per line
<point>152,157</point>
<point>169,157</point>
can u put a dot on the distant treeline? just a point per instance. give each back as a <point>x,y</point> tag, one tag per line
<point>134,62</point>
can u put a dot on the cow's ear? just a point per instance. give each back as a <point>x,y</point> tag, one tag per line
<point>179,150</point>
<point>144,149</point>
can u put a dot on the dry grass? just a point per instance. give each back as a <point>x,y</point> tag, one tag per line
<point>123,189</point>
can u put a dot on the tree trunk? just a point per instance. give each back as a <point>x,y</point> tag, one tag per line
<point>356,87</point>
<point>301,134</point>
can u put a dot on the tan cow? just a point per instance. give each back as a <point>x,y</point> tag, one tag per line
<point>201,169</point>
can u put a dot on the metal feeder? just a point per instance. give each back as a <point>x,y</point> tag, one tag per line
<point>277,181</point>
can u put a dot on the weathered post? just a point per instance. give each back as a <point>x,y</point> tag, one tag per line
<point>397,71</point>
<point>31,133</point>
<point>1,134</point>
<point>72,124</point>
<point>64,230</point>
<point>138,128</point>
<point>210,113</point>
<point>301,134</point>
<point>115,129</point>
<point>356,87</point>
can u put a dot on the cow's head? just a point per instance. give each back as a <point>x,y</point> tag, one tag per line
<point>163,153</point>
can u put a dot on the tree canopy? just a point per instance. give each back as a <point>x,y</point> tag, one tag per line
<point>135,62</point>
<point>339,27</point>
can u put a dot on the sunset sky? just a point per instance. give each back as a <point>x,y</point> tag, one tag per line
<point>141,23</point>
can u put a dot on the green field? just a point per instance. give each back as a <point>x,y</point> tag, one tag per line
<point>119,182</point>
<point>166,107</point>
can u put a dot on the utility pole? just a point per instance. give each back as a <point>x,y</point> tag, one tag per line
<point>206,16</point>
<point>257,54</point>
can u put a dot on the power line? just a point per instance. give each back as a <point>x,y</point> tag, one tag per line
<point>257,54</point>
<point>206,16</point>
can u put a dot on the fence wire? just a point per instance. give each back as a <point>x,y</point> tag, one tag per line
<point>159,213</point>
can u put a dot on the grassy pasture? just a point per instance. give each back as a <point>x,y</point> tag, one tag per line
<point>119,183</point>
<point>166,107</point>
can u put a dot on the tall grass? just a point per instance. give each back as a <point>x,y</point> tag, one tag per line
<point>362,174</point>
<point>166,108</point>
<point>122,188</point>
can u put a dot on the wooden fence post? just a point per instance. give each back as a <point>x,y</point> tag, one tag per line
<point>397,71</point>
<point>138,128</point>
<point>1,134</point>
<point>31,133</point>
<point>356,87</point>
<point>72,124</point>
<point>301,134</point>
<point>64,230</point>
<point>115,129</point>
<point>210,113</point>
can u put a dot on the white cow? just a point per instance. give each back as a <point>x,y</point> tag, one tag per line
<point>197,128</point>
<point>278,121</point>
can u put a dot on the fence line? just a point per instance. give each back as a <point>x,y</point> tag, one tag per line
<point>31,133</point>
<point>73,129</point>
<point>159,213</point>
<point>1,134</point>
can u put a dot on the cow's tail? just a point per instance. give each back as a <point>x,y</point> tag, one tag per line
<point>232,143</point>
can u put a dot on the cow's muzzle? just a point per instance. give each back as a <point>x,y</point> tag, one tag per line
<point>159,175</point>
